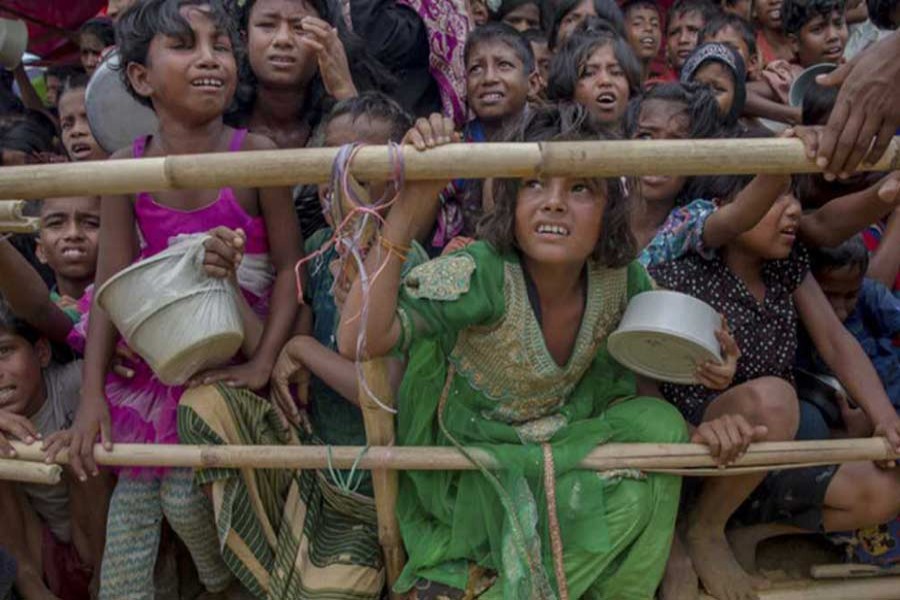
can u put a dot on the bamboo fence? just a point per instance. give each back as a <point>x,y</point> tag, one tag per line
<point>290,167</point>
<point>689,459</point>
<point>267,168</point>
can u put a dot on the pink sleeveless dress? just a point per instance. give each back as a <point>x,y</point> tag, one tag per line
<point>143,410</point>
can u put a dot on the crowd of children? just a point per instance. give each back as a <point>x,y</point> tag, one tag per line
<point>491,302</point>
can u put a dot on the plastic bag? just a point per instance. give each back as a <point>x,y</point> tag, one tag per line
<point>175,316</point>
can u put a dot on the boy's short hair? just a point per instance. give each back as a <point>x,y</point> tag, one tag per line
<point>797,13</point>
<point>504,34</point>
<point>881,13</point>
<point>817,104</point>
<point>628,5</point>
<point>682,7</point>
<point>607,10</point>
<point>144,20</point>
<point>13,325</point>
<point>374,105</point>
<point>852,253</point>
<point>76,81</point>
<point>723,20</point>
<point>566,66</point>
<point>564,122</point>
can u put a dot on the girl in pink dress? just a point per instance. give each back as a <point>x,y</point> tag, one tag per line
<point>179,59</point>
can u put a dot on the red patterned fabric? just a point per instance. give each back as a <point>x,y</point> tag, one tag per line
<point>52,24</point>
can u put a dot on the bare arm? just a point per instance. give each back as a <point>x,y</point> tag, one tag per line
<point>337,372</point>
<point>885,262</point>
<point>28,296</point>
<point>285,245</point>
<point>30,97</point>
<point>844,217</point>
<point>748,208</point>
<point>761,103</point>
<point>416,208</point>
<point>842,353</point>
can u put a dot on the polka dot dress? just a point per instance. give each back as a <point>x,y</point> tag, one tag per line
<point>766,332</point>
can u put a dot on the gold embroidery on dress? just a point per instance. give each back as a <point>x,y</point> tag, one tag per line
<point>510,363</point>
<point>444,278</point>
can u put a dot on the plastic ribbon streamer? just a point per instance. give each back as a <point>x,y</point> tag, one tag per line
<point>357,221</point>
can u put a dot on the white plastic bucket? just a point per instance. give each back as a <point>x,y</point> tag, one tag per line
<point>13,41</point>
<point>664,335</point>
<point>175,316</point>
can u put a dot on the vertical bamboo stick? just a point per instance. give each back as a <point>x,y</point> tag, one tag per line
<point>380,432</point>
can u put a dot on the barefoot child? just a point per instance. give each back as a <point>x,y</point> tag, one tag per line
<point>54,532</point>
<point>761,282</point>
<point>179,59</point>
<point>557,254</point>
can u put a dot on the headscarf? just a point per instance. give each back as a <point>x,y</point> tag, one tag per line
<point>726,55</point>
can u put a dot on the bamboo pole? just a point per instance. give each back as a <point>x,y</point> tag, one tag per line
<point>648,457</point>
<point>880,588</point>
<point>380,432</point>
<point>13,219</point>
<point>29,472</point>
<point>313,165</point>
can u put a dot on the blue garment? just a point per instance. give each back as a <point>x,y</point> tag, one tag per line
<point>680,234</point>
<point>874,323</point>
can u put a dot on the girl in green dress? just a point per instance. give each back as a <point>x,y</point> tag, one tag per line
<point>506,344</point>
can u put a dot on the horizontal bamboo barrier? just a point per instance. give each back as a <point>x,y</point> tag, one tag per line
<point>29,472</point>
<point>268,168</point>
<point>881,588</point>
<point>647,457</point>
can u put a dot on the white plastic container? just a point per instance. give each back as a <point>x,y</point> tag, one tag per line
<point>805,79</point>
<point>664,335</point>
<point>13,41</point>
<point>175,316</point>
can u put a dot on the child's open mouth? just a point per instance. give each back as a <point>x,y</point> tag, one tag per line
<point>80,149</point>
<point>648,42</point>
<point>552,230</point>
<point>72,253</point>
<point>606,101</point>
<point>774,14</point>
<point>7,392</point>
<point>282,60</point>
<point>208,83</point>
<point>491,97</point>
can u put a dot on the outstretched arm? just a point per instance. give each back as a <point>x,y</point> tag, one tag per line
<point>845,357</point>
<point>416,208</point>
<point>28,297</point>
<point>748,208</point>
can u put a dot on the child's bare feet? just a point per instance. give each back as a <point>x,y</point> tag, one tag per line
<point>716,565</point>
<point>680,579</point>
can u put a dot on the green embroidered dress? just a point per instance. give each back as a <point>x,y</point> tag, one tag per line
<point>473,339</point>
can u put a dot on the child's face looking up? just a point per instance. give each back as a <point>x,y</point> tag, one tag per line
<point>496,81</point>
<point>662,120</point>
<point>194,76</point>
<point>721,80</point>
<point>773,237</point>
<point>524,17</point>
<point>821,39</point>
<point>683,35</point>
<point>277,56</point>
<point>559,220</point>
<point>573,19</point>
<point>347,130</point>
<point>841,287</point>
<point>77,138</point>
<point>21,384</point>
<point>602,86</point>
<point>70,228</point>
<point>644,31</point>
<point>768,14</point>
<point>90,47</point>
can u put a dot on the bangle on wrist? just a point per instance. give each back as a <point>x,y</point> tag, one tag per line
<point>398,250</point>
